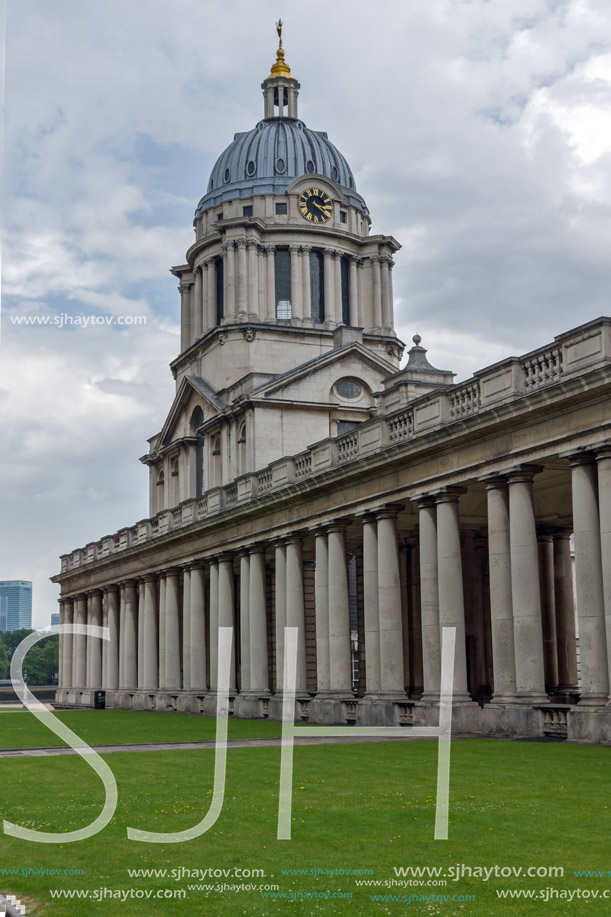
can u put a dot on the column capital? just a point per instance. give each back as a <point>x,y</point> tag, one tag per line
<point>523,473</point>
<point>240,243</point>
<point>449,494</point>
<point>493,481</point>
<point>225,557</point>
<point>170,571</point>
<point>424,501</point>
<point>294,249</point>
<point>295,538</point>
<point>580,457</point>
<point>196,565</point>
<point>306,249</point>
<point>113,587</point>
<point>268,249</point>
<point>388,510</point>
<point>149,578</point>
<point>258,547</point>
<point>603,452</point>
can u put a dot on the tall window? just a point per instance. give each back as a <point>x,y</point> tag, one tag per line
<point>175,483</point>
<point>242,449</point>
<point>282,271</point>
<point>197,418</point>
<point>160,491</point>
<point>217,461</point>
<point>220,288</point>
<point>317,285</point>
<point>345,268</point>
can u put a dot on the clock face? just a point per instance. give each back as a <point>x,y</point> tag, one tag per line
<point>315,205</point>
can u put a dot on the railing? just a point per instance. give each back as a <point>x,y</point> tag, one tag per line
<point>231,495</point>
<point>264,481</point>
<point>401,426</point>
<point>587,347</point>
<point>542,369</point>
<point>465,400</point>
<point>303,465</point>
<point>347,448</point>
<point>555,721</point>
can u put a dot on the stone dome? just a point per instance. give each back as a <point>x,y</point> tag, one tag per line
<point>268,158</point>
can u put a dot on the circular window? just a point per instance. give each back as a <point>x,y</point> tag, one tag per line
<point>251,168</point>
<point>227,175</point>
<point>280,165</point>
<point>334,174</point>
<point>348,388</point>
<point>310,166</point>
<point>299,126</point>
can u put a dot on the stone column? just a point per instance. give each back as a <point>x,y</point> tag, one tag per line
<point>321,592</point>
<point>245,621</point>
<point>80,645</point>
<point>391,320</point>
<point>214,624</point>
<point>104,643</point>
<point>270,293</point>
<point>337,266</point>
<point>371,606</point>
<point>565,615</point>
<point>242,277</point>
<point>186,627</point>
<point>150,651</point>
<point>451,600</point>
<point>385,284</point>
<point>280,588</point>
<point>296,291</point>
<point>162,626</point>
<point>252,305</point>
<point>122,635</point>
<point>389,604</point>
<point>548,611</point>
<point>211,317</point>
<point>196,320</point>
<point>197,652</point>
<point>340,662</point>
<point>259,670</point>
<point>525,590</point>
<point>111,598</point>
<point>185,314</point>
<point>376,286</point>
<point>354,300</point>
<point>589,582</point>
<point>306,307</point>
<point>205,293</point>
<point>226,605</point>
<point>230,281</point>
<point>295,609</point>
<point>130,671</point>
<point>501,609</point>
<point>172,631</point>
<point>88,644</point>
<point>604,496</point>
<point>329,284</point>
<point>140,651</point>
<point>429,599</point>
<point>67,645</point>
<point>95,655</point>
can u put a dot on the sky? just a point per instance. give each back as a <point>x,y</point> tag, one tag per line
<point>479,134</point>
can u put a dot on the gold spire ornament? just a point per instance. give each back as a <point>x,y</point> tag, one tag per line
<point>280,68</point>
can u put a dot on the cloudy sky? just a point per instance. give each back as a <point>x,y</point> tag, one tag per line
<point>479,134</point>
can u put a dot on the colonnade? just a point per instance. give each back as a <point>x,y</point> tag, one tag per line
<point>248,284</point>
<point>164,627</point>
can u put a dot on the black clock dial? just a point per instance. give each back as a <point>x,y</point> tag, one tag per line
<point>315,205</point>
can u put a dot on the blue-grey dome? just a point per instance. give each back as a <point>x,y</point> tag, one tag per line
<point>267,159</point>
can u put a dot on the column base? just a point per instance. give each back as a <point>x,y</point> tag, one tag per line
<point>593,700</point>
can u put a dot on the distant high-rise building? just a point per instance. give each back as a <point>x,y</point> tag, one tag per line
<point>15,604</point>
<point>55,619</point>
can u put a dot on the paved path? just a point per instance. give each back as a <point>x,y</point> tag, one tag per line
<point>231,743</point>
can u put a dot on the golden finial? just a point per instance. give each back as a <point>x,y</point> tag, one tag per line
<point>280,68</point>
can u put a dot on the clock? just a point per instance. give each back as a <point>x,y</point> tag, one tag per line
<point>315,205</point>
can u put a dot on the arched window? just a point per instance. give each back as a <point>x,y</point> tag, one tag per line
<point>282,278</point>
<point>242,459</point>
<point>197,419</point>
<point>160,491</point>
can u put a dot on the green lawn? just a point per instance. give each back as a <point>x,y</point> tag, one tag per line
<point>355,807</point>
<point>117,727</point>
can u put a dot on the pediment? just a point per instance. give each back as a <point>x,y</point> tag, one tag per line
<point>193,392</point>
<point>313,381</point>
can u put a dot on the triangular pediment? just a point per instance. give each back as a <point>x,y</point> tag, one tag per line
<point>312,381</point>
<point>192,391</point>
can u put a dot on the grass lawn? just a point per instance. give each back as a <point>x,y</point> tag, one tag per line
<point>19,729</point>
<point>360,807</point>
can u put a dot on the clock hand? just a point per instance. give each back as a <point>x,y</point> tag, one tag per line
<point>319,206</point>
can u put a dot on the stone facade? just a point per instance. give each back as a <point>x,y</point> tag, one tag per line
<point>302,479</point>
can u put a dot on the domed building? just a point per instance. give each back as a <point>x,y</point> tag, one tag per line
<point>303,480</point>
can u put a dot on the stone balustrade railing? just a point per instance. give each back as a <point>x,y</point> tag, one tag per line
<point>584,349</point>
